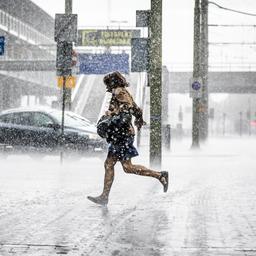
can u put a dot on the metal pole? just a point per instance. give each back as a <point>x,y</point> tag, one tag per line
<point>68,10</point>
<point>155,81</point>
<point>68,6</point>
<point>203,133</point>
<point>240,126</point>
<point>249,117</point>
<point>63,119</point>
<point>196,73</point>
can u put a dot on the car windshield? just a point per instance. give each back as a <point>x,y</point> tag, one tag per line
<point>71,119</point>
<point>78,117</point>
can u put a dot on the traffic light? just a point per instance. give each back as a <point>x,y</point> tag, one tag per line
<point>140,46</point>
<point>65,35</point>
<point>64,58</point>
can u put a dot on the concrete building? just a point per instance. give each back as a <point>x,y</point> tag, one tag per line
<point>28,32</point>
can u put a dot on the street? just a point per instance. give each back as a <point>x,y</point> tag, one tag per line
<point>210,207</point>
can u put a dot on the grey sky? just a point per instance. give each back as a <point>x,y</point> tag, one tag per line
<point>177,25</point>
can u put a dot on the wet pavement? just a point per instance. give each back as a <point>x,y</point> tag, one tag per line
<point>210,208</point>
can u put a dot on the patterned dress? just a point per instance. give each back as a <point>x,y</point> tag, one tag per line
<point>123,103</point>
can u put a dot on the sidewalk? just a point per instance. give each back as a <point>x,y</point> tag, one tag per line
<point>209,210</point>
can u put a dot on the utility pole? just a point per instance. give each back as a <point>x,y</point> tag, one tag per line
<point>155,81</point>
<point>203,115</point>
<point>68,91</point>
<point>196,74</point>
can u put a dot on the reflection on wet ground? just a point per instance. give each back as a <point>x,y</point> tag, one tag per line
<point>209,209</point>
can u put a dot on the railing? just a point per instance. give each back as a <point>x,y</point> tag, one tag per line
<point>217,66</point>
<point>30,35</point>
<point>233,67</point>
<point>84,94</point>
<point>47,79</point>
<point>23,31</point>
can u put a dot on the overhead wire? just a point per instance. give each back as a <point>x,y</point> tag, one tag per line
<point>230,44</point>
<point>231,10</point>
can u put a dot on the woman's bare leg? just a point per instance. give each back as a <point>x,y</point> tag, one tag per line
<point>108,181</point>
<point>109,175</point>
<point>142,170</point>
<point>139,169</point>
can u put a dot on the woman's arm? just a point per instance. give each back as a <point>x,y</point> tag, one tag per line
<point>125,98</point>
<point>138,114</point>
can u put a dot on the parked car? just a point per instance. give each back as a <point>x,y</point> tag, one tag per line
<point>39,130</point>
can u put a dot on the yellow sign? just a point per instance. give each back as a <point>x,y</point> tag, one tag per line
<point>108,37</point>
<point>69,83</point>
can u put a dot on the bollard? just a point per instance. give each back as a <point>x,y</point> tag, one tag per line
<point>167,137</point>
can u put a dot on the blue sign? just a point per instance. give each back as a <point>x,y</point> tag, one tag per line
<point>2,43</point>
<point>140,54</point>
<point>196,85</point>
<point>103,63</point>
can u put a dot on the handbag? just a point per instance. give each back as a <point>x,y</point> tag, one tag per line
<point>114,127</point>
<point>103,125</point>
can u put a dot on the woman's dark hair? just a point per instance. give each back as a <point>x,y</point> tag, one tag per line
<point>114,80</point>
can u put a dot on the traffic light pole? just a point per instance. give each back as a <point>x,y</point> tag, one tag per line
<point>155,81</point>
<point>64,90</point>
<point>65,34</point>
<point>196,74</point>
<point>68,92</point>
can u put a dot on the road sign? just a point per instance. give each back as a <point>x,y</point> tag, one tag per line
<point>107,37</point>
<point>103,63</point>
<point>142,18</point>
<point>2,44</point>
<point>195,85</point>
<point>65,28</point>
<point>140,55</point>
<point>70,82</point>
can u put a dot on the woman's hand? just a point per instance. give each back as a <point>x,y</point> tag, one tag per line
<point>111,113</point>
<point>108,113</point>
<point>139,123</point>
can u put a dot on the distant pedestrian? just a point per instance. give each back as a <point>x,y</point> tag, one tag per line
<point>121,136</point>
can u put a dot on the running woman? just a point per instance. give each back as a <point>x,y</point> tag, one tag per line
<point>121,139</point>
